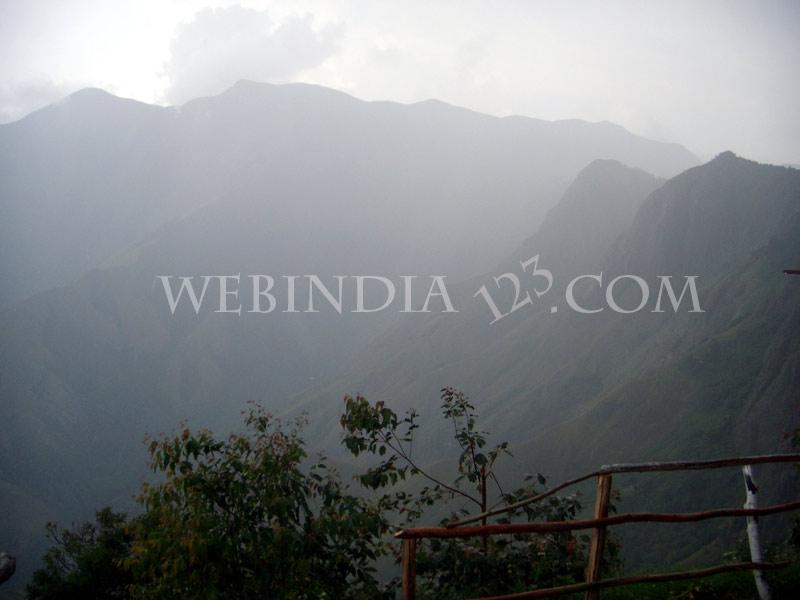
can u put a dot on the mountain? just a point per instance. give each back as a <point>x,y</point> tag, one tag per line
<point>595,211</point>
<point>574,391</point>
<point>100,195</point>
<point>83,180</point>
<point>86,370</point>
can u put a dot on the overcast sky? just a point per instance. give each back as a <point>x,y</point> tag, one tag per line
<point>712,75</point>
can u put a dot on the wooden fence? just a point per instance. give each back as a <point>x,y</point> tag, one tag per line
<point>593,582</point>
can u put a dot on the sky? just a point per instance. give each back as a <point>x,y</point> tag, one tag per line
<point>713,75</point>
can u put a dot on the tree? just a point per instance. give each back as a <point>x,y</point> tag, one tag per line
<point>243,518</point>
<point>85,561</point>
<point>456,567</point>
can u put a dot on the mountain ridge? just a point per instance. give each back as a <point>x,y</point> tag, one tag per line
<point>575,391</point>
<point>95,174</point>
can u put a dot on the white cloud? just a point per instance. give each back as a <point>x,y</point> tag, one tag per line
<point>223,45</point>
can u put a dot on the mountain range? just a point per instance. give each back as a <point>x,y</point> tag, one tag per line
<point>576,391</point>
<point>83,180</point>
<point>100,195</point>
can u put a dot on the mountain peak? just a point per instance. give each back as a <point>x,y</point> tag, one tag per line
<point>603,166</point>
<point>595,209</point>
<point>607,177</point>
<point>90,93</point>
<point>257,93</point>
<point>603,173</point>
<point>93,97</point>
<point>727,155</point>
<point>731,159</point>
<point>87,107</point>
<point>713,215</point>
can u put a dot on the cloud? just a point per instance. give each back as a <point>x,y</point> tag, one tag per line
<point>20,98</point>
<point>223,45</point>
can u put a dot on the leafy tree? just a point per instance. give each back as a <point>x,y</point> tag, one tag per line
<point>455,567</point>
<point>84,562</point>
<point>242,518</point>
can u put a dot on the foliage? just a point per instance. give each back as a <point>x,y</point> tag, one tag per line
<point>473,566</point>
<point>242,518</point>
<point>252,516</point>
<point>84,561</point>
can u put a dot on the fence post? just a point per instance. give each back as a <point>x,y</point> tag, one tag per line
<point>409,569</point>
<point>753,538</point>
<point>599,534</point>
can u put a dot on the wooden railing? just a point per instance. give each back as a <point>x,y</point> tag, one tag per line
<point>593,582</point>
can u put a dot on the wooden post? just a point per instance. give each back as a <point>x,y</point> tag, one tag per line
<point>409,569</point>
<point>753,537</point>
<point>599,534</point>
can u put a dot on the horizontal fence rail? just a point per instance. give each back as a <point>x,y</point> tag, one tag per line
<point>645,467</point>
<point>715,463</point>
<point>601,520</point>
<point>558,526</point>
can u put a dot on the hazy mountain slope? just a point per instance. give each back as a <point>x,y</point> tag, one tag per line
<point>262,179</point>
<point>82,180</point>
<point>597,207</point>
<point>79,181</point>
<point>729,385</point>
<point>576,391</point>
<point>711,216</point>
<point>423,352</point>
<point>655,244</point>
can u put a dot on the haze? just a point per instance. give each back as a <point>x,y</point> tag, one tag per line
<point>712,76</point>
